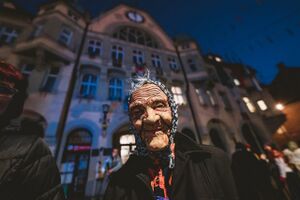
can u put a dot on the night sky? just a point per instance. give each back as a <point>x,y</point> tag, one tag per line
<point>259,33</point>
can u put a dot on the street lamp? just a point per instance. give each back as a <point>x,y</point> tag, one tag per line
<point>279,106</point>
<point>105,109</point>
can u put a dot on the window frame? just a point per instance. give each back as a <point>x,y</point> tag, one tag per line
<point>135,35</point>
<point>155,60</point>
<point>117,55</point>
<point>89,84</point>
<point>250,106</point>
<point>11,36</point>
<point>172,62</point>
<point>192,64</point>
<point>226,101</point>
<point>48,77</point>
<point>201,96</point>
<point>25,72</point>
<point>93,48</point>
<point>116,89</point>
<point>178,94</point>
<point>263,106</point>
<point>63,36</point>
<point>211,97</point>
<point>139,56</point>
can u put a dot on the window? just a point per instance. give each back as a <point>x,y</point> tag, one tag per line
<point>211,97</point>
<point>94,48</point>
<point>178,95</point>
<point>173,64</point>
<point>155,60</point>
<point>226,101</point>
<point>37,31</point>
<point>236,82</point>
<point>65,36</point>
<point>135,35</point>
<point>192,65</point>
<point>127,145</point>
<point>115,89</point>
<point>8,35</point>
<point>249,105</point>
<point>201,96</point>
<point>137,57</point>
<point>262,105</point>
<point>206,97</point>
<point>49,83</point>
<point>27,69</point>
<point>88,86</point>
<point>156,63</point>
<point>117,55</point>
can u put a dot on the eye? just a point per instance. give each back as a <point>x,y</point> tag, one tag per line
<point>137,113</point>
<point>159,104</point>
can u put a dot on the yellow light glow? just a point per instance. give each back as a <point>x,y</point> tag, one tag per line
<point>218,59</point>
<point>279,106</point>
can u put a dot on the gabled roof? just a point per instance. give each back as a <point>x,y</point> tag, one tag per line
<point>115,17</point>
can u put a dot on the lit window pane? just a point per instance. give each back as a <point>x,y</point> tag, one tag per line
<point>236,82</point>
<point>178,95</point>
<point>249,105</point>
<point>262,105</point>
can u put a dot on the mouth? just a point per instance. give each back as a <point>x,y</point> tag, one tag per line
<point>151,133</point>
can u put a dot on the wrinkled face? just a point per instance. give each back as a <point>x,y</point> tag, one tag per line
<point>151,116</point>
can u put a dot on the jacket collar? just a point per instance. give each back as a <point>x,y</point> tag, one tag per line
<point>185,149</point>
<point>186,146</point>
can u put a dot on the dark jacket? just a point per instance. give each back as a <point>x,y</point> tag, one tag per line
<point>27,168</point>
<point>201,172</point>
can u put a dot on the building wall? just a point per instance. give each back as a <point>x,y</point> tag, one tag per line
<point>45,52</point>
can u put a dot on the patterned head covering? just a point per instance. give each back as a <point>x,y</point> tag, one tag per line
<point>141,149</point>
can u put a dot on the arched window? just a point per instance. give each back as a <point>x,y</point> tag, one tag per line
<point>88,85</point>
<point>115,89</point>
<point>134,35</point>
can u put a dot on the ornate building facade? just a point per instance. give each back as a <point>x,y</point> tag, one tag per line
<point>218,104</point>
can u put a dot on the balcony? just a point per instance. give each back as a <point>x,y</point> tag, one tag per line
<point>197,76</point>
<point>48,45</point>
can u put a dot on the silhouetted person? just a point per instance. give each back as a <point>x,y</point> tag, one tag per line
<point>111,164</point>
<point>244,167</point>
<point>27,168</point>
<point>288,174</point>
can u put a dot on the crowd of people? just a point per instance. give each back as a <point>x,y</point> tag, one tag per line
<point>271,175</point>
<point>28,170</point>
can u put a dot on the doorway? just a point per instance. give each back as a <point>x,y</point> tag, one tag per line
<point>75,163</point>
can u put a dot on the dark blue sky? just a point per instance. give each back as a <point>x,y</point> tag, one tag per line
<point>259,33</point>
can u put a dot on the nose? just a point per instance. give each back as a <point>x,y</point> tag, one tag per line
<point>151,116</point>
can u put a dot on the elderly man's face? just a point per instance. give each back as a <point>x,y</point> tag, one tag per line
<point>151,116</point>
